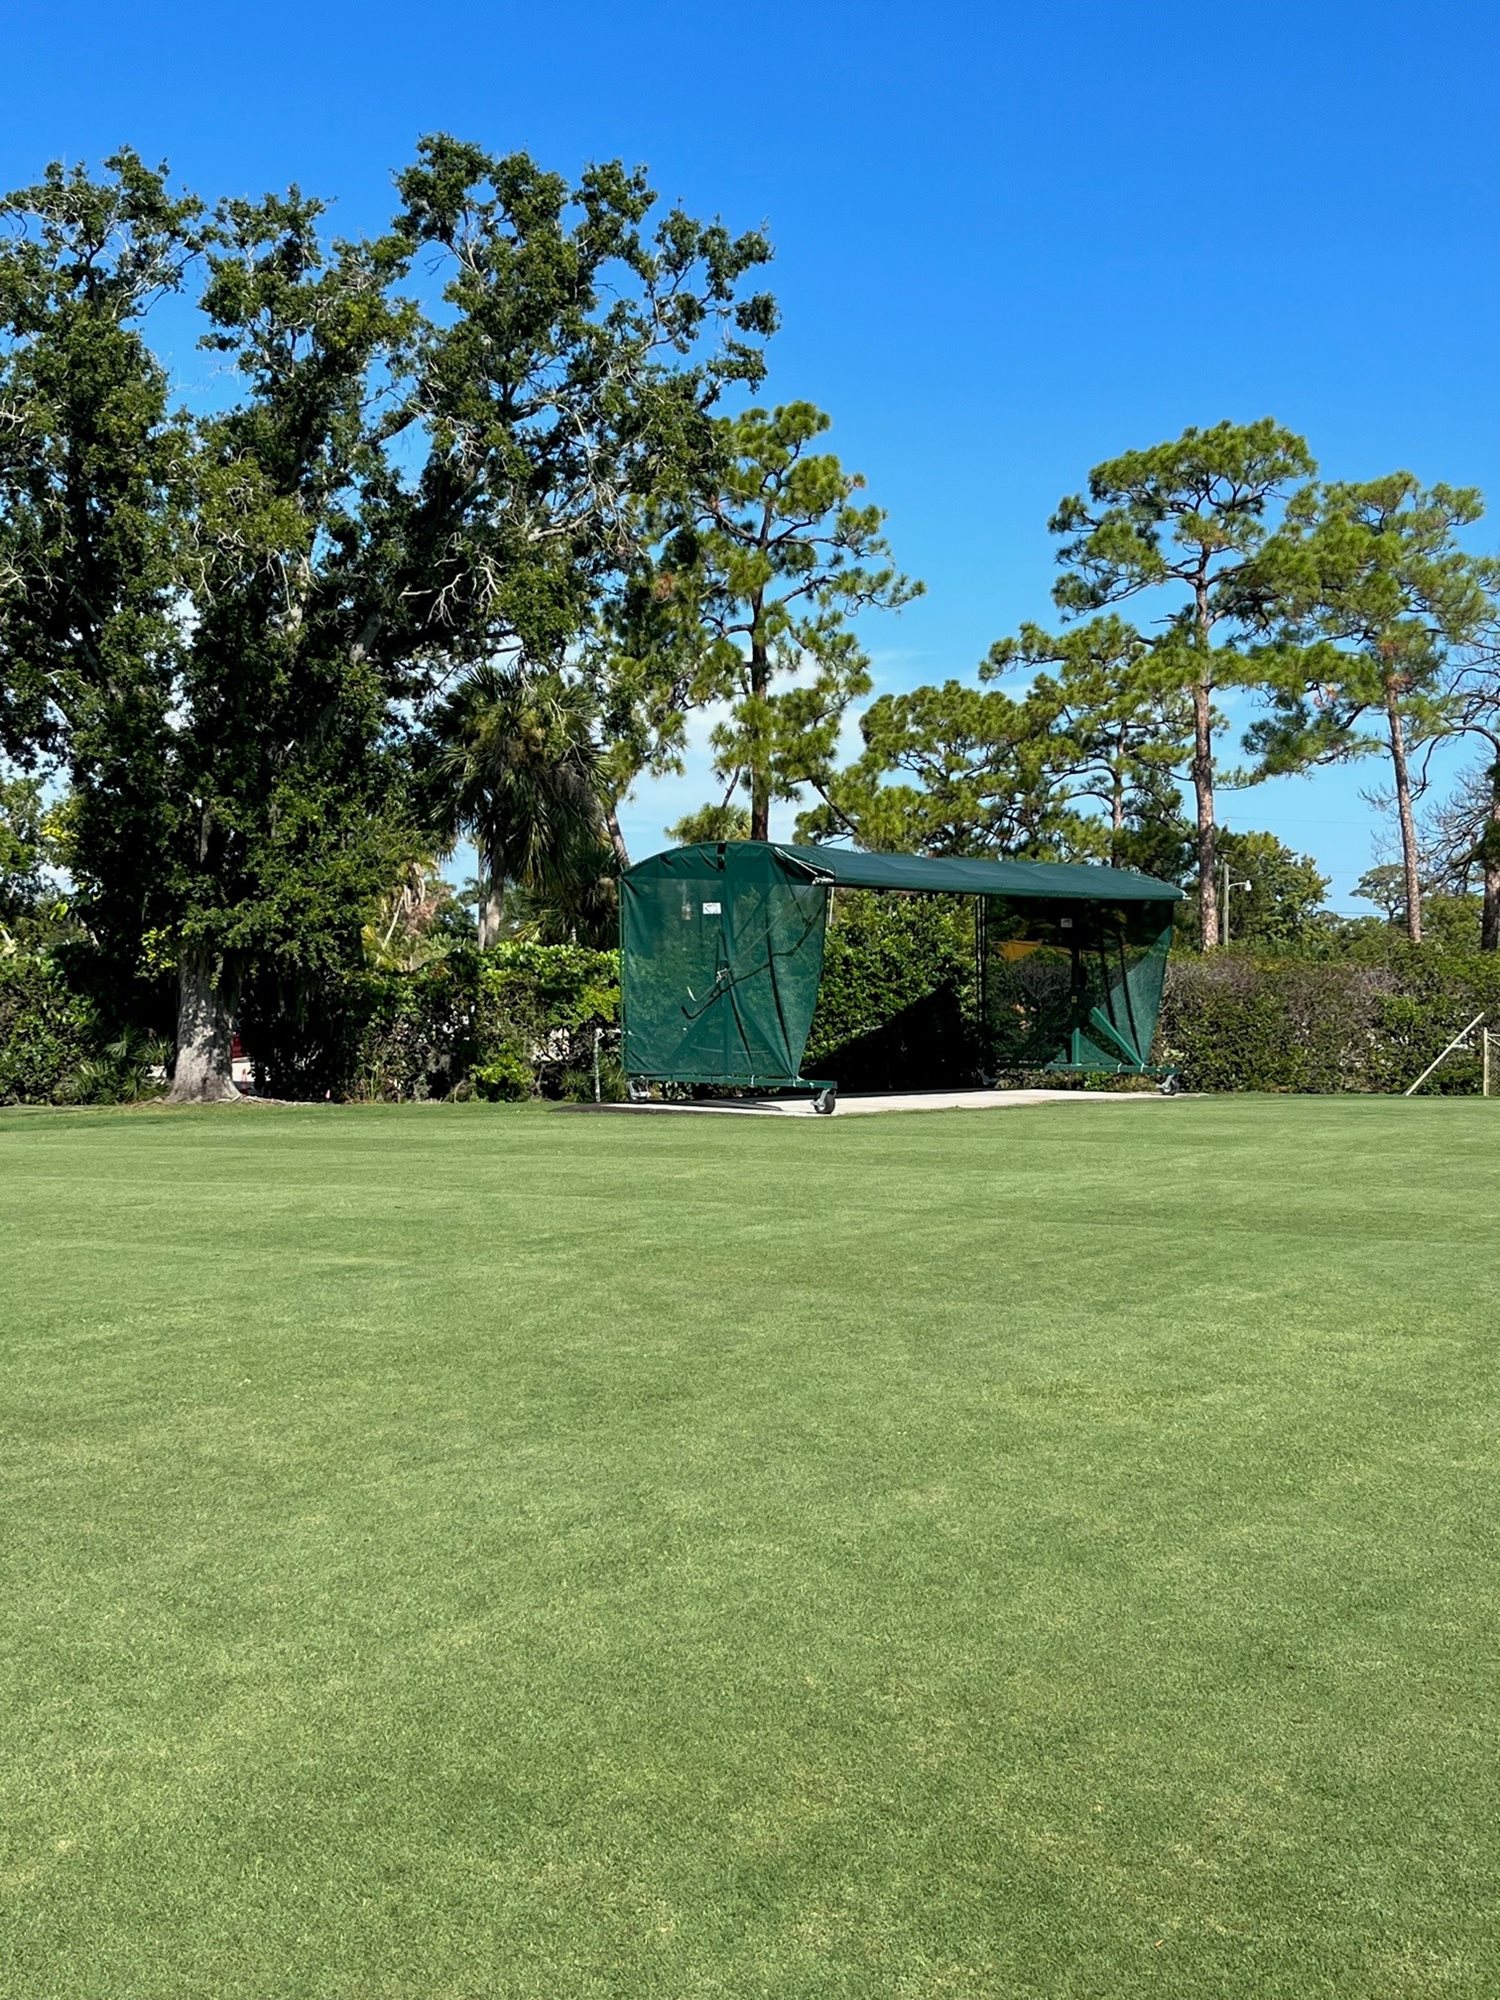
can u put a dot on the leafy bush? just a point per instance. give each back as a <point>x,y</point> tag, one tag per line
<point>370,1034</point>
<point>895,1008</point>
<point>1238,1022</point>
<point>305,1037</point>
<point>126,1070</point>
<point>468,1021</point>
<point>51,1051</point>
<point>546,1001</point>
<point>576,1086</point>
<point>46,1032</point>
<point>506,1078</point>
<point>418,1038</point>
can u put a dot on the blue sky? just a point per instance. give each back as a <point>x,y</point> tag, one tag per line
<point>1009,242</point>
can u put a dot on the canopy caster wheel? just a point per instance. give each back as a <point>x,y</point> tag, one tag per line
<point>1170,1086</point>
<point>824,1102</point>
<point>638,1093</point>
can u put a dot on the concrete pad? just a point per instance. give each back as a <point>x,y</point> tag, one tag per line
<point>856,1107</point>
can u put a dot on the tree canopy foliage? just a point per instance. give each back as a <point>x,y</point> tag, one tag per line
<point>467,522</point>
<point>749,601</point>
<point>226,625</point>
<point>1186,521</point>
<point>1377,593</point>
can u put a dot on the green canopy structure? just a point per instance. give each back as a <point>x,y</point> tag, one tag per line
<point>722,953</point>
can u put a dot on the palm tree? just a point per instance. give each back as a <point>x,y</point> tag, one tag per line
<point>516,768</point>
<point>401,935</point>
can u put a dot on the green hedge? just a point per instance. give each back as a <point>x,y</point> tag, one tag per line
<point>896,1005</point>
<point>538,1009</point>
<point>515,1021</point>
<point>51,1048</point>
<point>1240,1022</point>
<point>417,1036</point>
<point>46,1032</point>
<point>895,1011</point>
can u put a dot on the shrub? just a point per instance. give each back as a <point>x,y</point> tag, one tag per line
<point>305,1038</point>
<point>1235,1021</point>
<point>458,1026</point>
<point>418,1037</point>
<point>545,1002</point>
<point>577,1085</point>
<point>46,1033</point>
<point>895,1006</point>
<point>369,1034</point>
<point>126,1070</point>
<point>507,1077</point>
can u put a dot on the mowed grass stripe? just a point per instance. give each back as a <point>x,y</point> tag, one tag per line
<point>458,1552</point>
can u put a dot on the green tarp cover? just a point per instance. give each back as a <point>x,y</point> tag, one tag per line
<point>929,874</point>
<point>722,952</point>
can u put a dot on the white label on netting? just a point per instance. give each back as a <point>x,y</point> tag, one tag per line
<point>713,909</point>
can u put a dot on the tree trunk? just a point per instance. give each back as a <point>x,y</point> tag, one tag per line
<point>1116,817</point>
<point>491,899</point>
<point>205,1033</point>
<point>760,779</point>
<point>491,914</point>
<point>1203,763</point>
<point>760,808</point>
<point>1404,813</point>
<point>1489,856</point>
<point>617,839</point>
<point>1203,793</point>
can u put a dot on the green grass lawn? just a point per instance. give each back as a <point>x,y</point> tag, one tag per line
<point>461,1553</point>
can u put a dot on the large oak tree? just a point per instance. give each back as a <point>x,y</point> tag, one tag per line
<point>226,624</point>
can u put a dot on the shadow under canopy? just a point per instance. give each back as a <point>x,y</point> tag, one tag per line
<point>722,953</point>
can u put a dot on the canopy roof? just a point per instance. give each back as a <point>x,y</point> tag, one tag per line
<point>849,868</point>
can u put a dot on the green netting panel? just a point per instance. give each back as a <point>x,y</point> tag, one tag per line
<point>1070,987</point>
<point>722,951</point>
